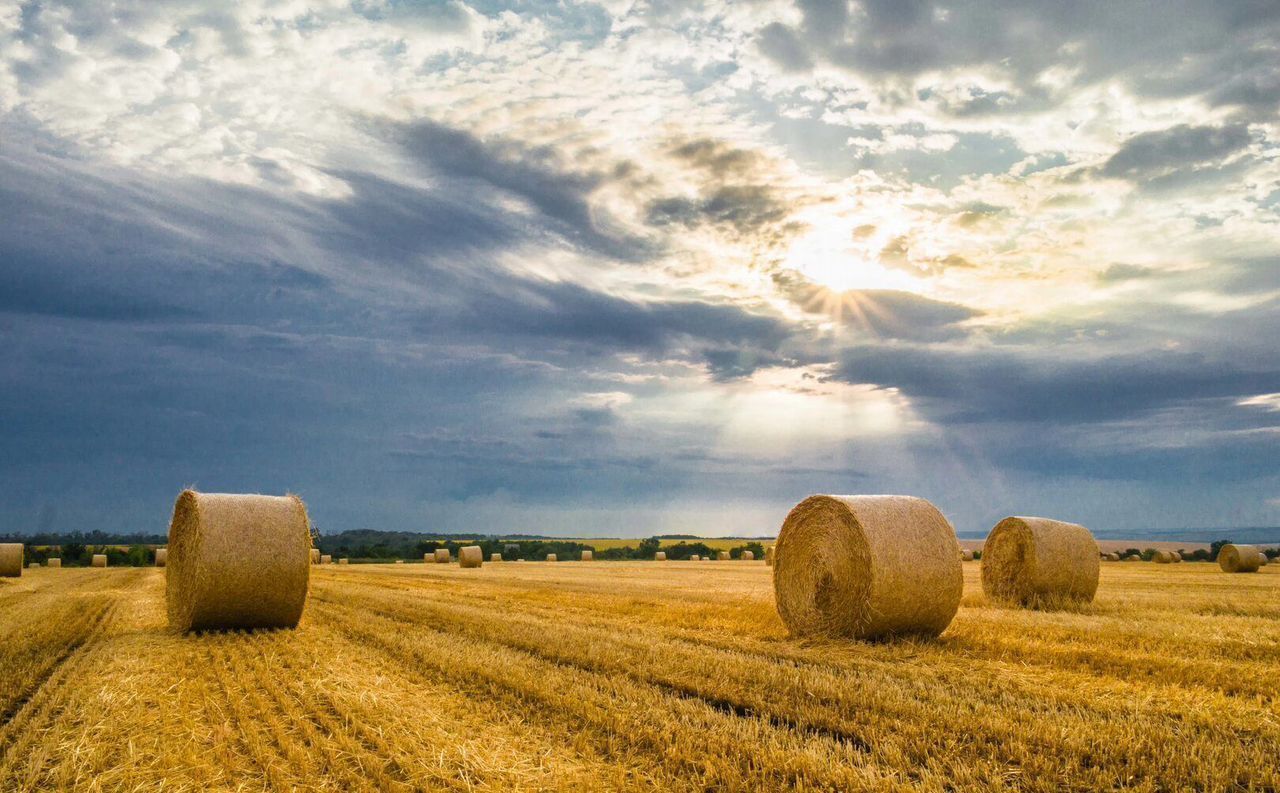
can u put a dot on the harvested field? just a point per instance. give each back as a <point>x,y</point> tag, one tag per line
<point>580,677</point>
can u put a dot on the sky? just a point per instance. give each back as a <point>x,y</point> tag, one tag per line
<point>621,268</point>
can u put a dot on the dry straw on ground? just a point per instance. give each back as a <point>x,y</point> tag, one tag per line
<point>867,567</point>
<point>442,556</point>
<point>495,557</point>
<point>1040,562</point>
<point>1239,558</point>
<point>660,556</point>
<point>471,556</point>
<point>54,563</point>
<point>162,556</point>
<point>11,559</point>
<point>723,556</point>
<point>99,560</point>
<point>587,556</point>
<point>238,561</point>
<point>748,556</point>
<point>551,557</point>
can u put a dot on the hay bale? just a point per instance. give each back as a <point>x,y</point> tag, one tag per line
<point>11,556</point>
<point>399,561</point>
<point>748,556</point>
<point>54,563</point>
<point>239,561</point>
<point>660,556</point>
<point>315,556</point>
<point>32,564</point>
<point>1039,561</point>
<point>1163,557</point>
<point>326,558</point>
<point>1263,561</point>
<point>723,556</point>
<point>344,560</point>
<point>768,556</point>
<point>442,555</point>
<point>551,557</point>
<point>867,567</point>
<point>162,557</point>
<point>471,556</point>
<point>695,558</point>
<point>966,555</point>
<point>1239,558</point>
<point>495,557</point>
<point>588,556</point>
<point>99,560</point>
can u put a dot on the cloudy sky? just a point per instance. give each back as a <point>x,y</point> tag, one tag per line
<point>619,268</point>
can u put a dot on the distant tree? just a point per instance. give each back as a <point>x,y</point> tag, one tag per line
<point>1148,554</point>
<point>1216,546</point>
<point>648,547</point>
<point>72,552</point>
<point>139,556</point>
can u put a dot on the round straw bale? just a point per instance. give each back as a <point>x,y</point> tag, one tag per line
<point>326,558</point>
<point>551,557</point>
<point>442,556</point>
<point>99,560</point>
<point>768,556</point>
<point>471,556</point>
<point>54,563</point>
<point>239,561</point>
<point>587,556</point>
<point>495,557</point>
<point>660,556</point>
<point>162,556</point>
<point>867,567</point>
<point>1163,557</point>
<point>344,560</point>
<point>748,556</point>
<point>1263,561</point>
<point>723,556</point>
<point>1239,558</point>
<point>1132,558</point>
<point>399,561</point>
<point>11,559</point>
<point>315,556</point>
<point>966,555</point>
<point>695,558</point>
<point>32,564</point>
<point>1036,561</point>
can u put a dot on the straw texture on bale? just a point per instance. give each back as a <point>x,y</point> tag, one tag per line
<point>54,563</point>
<point>724,556</point>
<point>587,556</point>
<point>162,557</point>
<point>315,556</point>
<point>495,557</point>
<point>551,557</point>
<point>660,556</point>
<point>471,556</point>
<point>866,567</point>
<point>99,560</point>
<point>326,558</point>
<point>966,555</point>
<point>1039,561</point>
<point>238,561</point>
<point>442,556</point>
<point>344,560</point>
<point>1239,558</point>
<point>11,556</point>
<point>748,556</point>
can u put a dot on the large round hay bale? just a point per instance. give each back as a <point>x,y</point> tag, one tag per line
<point>238,561</point>
<point>1035,561</point>
<point>660,556</point>
<point>315,556</point>
<point>11,556</point>
<point>442,556</point>
<point>471,556</point>
<point>588,556</point>
<point>966,555</point>
<point>723,556</point>
<point>1239,558</point>
<point>54,563</point>
<point>326,558</point>
<point>768,556</point>
<point>344,560</point>
<point>748,556</point>
<point>98,560</point>
<point>495,557</point>
<point>1163,557</point>
<point>867,567</point>
<point>162,556</point>
<point>551,557</point>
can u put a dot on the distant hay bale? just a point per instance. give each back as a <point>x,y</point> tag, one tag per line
<point>1039,561</point>
<point>1163,557</point>
<point>99,560</point>
<point>866,567</point>
<point>1132,558</point>
<point>723,556</point>
<point>442,556</point>
<point>695,558</point>
<point>495,557</point>
<point>399,561</point>
<point>588,556</point>
<point>966,555</point>
<point>11,556</point>
<point>768,556</point>
<point>315,556</point>
<point>660,556</point>
<point>748,556</point>
<point>1239,558</point>
<point>32,564</point>
<point>344,560</point>
<point>238,561</point>
<point>551,557</point>
<point>162,556</point>
<point>326,558</point>
<point>471,556</point>
<point>54,563</point>
<point>1263,561</point>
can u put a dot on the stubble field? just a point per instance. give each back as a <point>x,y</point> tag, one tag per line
<point>635,675</point>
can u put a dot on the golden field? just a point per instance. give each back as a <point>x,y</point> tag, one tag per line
<point>635,676</point>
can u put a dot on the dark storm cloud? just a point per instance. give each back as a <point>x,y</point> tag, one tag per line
<point>1152,155</point>
<point>782,45</point>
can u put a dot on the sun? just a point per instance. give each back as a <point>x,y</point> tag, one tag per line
<point>826,257</point>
